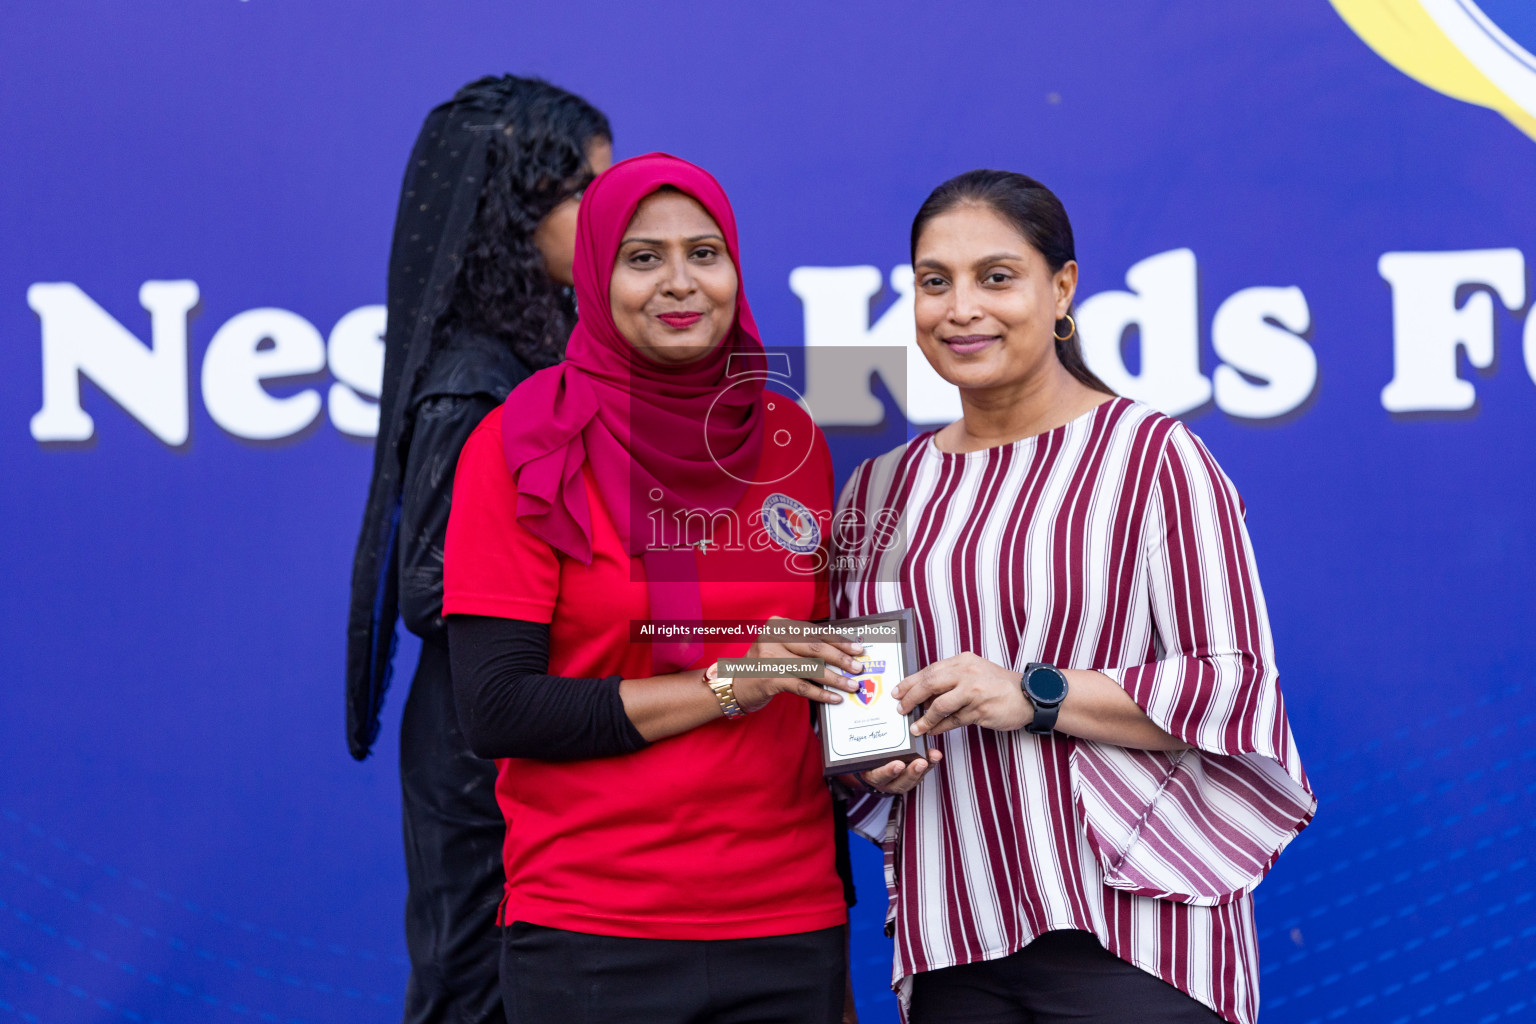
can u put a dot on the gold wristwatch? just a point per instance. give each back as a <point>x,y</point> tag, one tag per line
<point>724,692</point>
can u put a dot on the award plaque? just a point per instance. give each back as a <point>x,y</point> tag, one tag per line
<point>867,729</point>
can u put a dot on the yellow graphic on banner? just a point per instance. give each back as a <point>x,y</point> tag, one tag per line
<point>1453,47</point>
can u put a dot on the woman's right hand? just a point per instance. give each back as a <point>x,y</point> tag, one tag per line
<point>896,777</point>
<point>754,692</point>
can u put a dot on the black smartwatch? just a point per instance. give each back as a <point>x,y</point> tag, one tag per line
<point>1045,687</point>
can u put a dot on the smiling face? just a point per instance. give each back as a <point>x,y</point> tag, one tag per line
<point>987,301</point>
<point>673,293</point>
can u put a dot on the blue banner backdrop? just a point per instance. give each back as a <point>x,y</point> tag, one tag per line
<point>1305,227</point>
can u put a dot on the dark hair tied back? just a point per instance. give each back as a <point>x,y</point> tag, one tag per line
<point>536,160</point>
<point>1036,213</point>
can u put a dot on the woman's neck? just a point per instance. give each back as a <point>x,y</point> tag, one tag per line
<point>1009,412</point>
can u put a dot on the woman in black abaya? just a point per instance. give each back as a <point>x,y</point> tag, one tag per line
<point>478,298</point>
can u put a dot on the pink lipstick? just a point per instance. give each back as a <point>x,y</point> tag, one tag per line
<point>969,343</point>
<point>680,321</point>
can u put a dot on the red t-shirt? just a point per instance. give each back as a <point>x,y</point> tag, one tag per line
<point>722,832</point>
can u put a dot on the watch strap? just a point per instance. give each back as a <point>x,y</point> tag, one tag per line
<point>1044,720</point>
<point>1045,714</point>
<point>725,693</point>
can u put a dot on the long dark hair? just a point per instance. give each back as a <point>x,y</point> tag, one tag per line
<point>536,160</point>
<point>1036,213</point>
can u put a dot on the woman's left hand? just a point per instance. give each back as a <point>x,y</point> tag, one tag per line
<point>965,690</point>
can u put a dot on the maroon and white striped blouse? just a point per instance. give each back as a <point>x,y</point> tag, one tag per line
<point>1113,543</point>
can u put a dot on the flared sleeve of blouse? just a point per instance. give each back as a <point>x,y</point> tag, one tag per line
<point>1200,826</point>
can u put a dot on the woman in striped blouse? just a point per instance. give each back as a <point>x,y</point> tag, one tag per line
<point>1117,770</point>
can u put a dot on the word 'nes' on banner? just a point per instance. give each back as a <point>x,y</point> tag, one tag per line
<point>647,631</point>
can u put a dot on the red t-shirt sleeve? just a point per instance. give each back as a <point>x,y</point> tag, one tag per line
<point>491,564</point>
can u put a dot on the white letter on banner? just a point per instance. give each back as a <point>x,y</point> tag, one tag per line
<point>1427,328</point>
<point>79,337</point>
<point>254,346</point>
<point>1164,304</point>
<point>837,383</point>
<point>1530,345</point>
<point>1256,331</point>
<point>355,353</point>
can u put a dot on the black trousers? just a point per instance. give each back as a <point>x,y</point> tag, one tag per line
<point>551,976</point>
<point>1061,976</point>
<point>453,836</point>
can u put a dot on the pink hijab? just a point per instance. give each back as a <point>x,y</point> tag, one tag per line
<point>639,425</point>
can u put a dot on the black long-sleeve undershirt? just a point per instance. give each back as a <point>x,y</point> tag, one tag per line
<point>509,706</point>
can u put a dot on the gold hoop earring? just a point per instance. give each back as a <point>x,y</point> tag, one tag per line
<point>1071,331</point>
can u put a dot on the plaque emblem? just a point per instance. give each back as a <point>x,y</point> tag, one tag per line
<point>871,683</point>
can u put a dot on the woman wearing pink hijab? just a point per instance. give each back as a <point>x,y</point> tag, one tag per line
<point>670,855</point>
